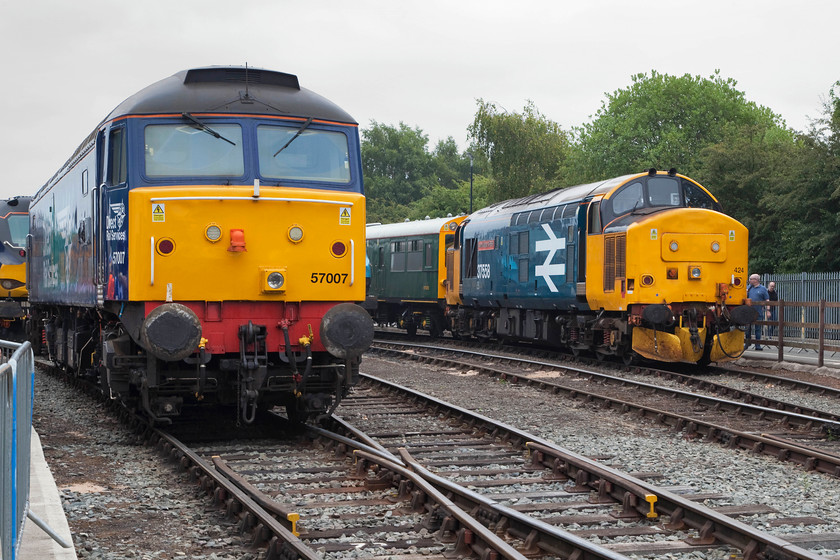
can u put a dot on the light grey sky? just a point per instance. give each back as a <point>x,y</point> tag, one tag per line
<point>66,64</point>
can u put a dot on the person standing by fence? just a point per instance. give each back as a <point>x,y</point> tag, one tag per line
<point>757,295</point>
<point>772,311</point>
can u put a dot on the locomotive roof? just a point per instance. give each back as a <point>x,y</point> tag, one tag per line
<point>553,198</point>
<point>402,229</point>
<point>231,89</point>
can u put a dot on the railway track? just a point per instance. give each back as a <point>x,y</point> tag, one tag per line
<point>424,478</point>
<point>789,432</point>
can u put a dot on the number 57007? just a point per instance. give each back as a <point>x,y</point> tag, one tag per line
<point>328,278</point>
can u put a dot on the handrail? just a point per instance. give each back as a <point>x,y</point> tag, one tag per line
<point>17,372</point>
<point>818,335</point>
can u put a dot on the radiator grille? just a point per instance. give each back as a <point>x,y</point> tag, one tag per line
<point>615,259</point>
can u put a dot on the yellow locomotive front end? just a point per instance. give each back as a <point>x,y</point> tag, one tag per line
<point>226,244</point>
<point>677,274</point>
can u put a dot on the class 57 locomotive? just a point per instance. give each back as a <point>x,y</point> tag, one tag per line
<point>205,245</point>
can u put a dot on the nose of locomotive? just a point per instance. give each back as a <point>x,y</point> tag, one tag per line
<point>346,330</point>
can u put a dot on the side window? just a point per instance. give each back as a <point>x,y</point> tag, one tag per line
<point>414,259</point>
<point>594,218</point>
<point>470,258</point>
<point>430,255</point>
<point>398,256</point>
<point>85,182</point>
<point>116,173</point>
<point>695,197</point>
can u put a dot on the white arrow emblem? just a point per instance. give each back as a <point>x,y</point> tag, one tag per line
<point>552,245</point>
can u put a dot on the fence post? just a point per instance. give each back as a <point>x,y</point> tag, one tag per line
<point>780,330</point>
<point>821,340</point>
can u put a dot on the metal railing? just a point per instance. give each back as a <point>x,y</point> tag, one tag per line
<point>811,325</point>
<point>17,374</point>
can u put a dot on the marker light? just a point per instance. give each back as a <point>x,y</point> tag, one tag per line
<point>165,246</point>
<point>338,248</point>
<point>715,247</point>
<point>295,234</point>
<point>672,274</point>
<point>213,233</point>
<point>674,246</point>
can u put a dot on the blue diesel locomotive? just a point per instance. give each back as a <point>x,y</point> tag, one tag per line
<point>639,265</point>
<point>204,245</point>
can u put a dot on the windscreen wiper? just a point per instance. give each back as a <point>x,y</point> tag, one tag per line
<point>203,127</point>
<point>292,139</point>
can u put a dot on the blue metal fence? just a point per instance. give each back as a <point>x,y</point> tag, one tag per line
<point>808,287</point>
<point>17,378</point>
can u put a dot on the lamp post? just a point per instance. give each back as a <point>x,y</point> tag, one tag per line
<point>471,180</point>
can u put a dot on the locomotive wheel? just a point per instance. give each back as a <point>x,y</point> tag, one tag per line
<point>629,358</point>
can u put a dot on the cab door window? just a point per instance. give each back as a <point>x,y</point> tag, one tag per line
<point>116,173</point>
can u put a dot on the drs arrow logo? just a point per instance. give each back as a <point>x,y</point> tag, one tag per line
<point>546,269</point>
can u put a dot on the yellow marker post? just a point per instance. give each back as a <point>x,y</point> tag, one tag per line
<point>293,518</point>
<point>651,499</point>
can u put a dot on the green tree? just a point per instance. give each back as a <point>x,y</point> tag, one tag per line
<point>808,203</point>
<point>455,201</point>
<point>526,151</point>
<point>746,171</point>
<point>397,169</point>
<point>661,121</point>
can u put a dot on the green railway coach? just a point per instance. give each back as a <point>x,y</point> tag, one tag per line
<point>408,270</point>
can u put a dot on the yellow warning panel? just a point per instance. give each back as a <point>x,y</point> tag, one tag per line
<point>158,212</point>
<point>344,216</point>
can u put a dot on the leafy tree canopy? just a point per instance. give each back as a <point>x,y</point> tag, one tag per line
<point>526,151</point>
<point>662,121</point>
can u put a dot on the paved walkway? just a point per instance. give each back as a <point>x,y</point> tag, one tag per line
<point>44,502</point>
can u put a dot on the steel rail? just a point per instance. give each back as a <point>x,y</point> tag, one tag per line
<point>285,543</point>
<point>773,408</point>
<point>783,450</point>
<point>538,535</point>
<point>632,492</point>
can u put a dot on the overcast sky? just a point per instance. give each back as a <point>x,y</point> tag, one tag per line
<point>66,64</point>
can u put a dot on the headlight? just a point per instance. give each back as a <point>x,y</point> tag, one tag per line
<point>275,280</point>
<point>9,284</point>
<point>694,272</point>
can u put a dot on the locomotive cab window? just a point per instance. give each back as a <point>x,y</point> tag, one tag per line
<point>291,152</point>
<point>182,150</point>
<point>655,192</point>
<point>19,228</point>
